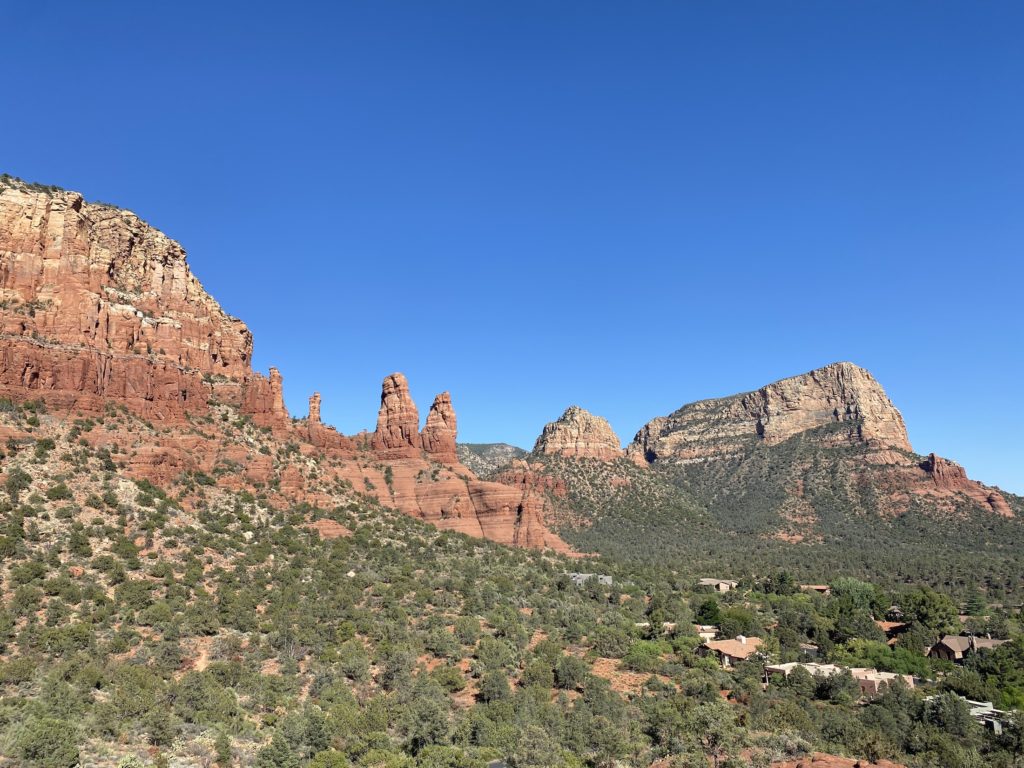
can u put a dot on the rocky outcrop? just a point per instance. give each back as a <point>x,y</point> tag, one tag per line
<point>579,434</point>
<point>263,399</point>
<point>97,304</point>
<point>502,513</point>
<point>532,477</point>
<point>99,307</point>
<point>950,478</point>
<point>398,422</point>
<point>843,395</point>
<point>840,405</point>
<point>438,438</point>
<point>322,435</point>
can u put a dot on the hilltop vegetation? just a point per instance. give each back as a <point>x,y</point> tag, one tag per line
<point>196,623</point>
<point>804,506</point>
<point>485,458</point>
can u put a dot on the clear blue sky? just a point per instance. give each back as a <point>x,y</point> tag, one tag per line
<point>628,206</point>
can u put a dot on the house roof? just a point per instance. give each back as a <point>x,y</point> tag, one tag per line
<point>716,582</point>
<point>988,642</point>
<point>890,626</point>
<point>738,648</point>
<point>961,644</point>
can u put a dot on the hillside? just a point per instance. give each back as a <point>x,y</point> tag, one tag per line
<point>485,458</point>
<point>813,474</point>
<point>192,623</point>
<point>100,308</point>
<point>189,576</point>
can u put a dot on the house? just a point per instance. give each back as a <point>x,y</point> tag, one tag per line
<point>985,713</point>
<point>894,613</point>
<point>719,585</point>
<point>821,589</point>
<point>706,631</point>
<point>817,670</point>
<point>955,647</point>
<point>871,681</point>
<point>729,652</point>
<point>810,650</point>
<point>892,629</point>
<point>579,579</point>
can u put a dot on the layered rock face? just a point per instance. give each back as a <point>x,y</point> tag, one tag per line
<point>398,421</point>
<point>950,479</point>
<point>398,424</point>
<point>97,304</point>
<point>438,437</point>
<point>449,496</point>
<point>842,394</point>
<point>579,434</point>
<point>263,399</point>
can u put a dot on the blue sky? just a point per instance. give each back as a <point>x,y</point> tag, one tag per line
<point>627,206</point>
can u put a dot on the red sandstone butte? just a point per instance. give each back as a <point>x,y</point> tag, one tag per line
<point>98,307</point>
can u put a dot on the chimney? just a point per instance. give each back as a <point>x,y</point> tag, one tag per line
<point>742,639</point>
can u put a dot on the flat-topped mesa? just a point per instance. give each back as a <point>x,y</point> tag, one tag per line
<point>579,434</point>
<point>841,393</point>
<point>98,304</point>
<point>398,422</point>
<point>439,433</point>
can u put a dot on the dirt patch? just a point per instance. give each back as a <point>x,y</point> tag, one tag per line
<point>623,680</point>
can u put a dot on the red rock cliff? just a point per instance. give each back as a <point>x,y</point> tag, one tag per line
<point>950,478</point>
<point>97,304</point>
<point>398,420</point>
<point>439,434</point>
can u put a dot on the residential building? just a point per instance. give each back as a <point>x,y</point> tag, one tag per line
<point>955,647</point>
<point>871,681</point>
<point>985,713</point>
<point>821,589</point>
<point>706,631</point>
<point>810,650</point>
<point>579,579</point>
<point>892,629</point>
<point>729,652</point>
<point>817,670</point>
<point>719,585</point>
